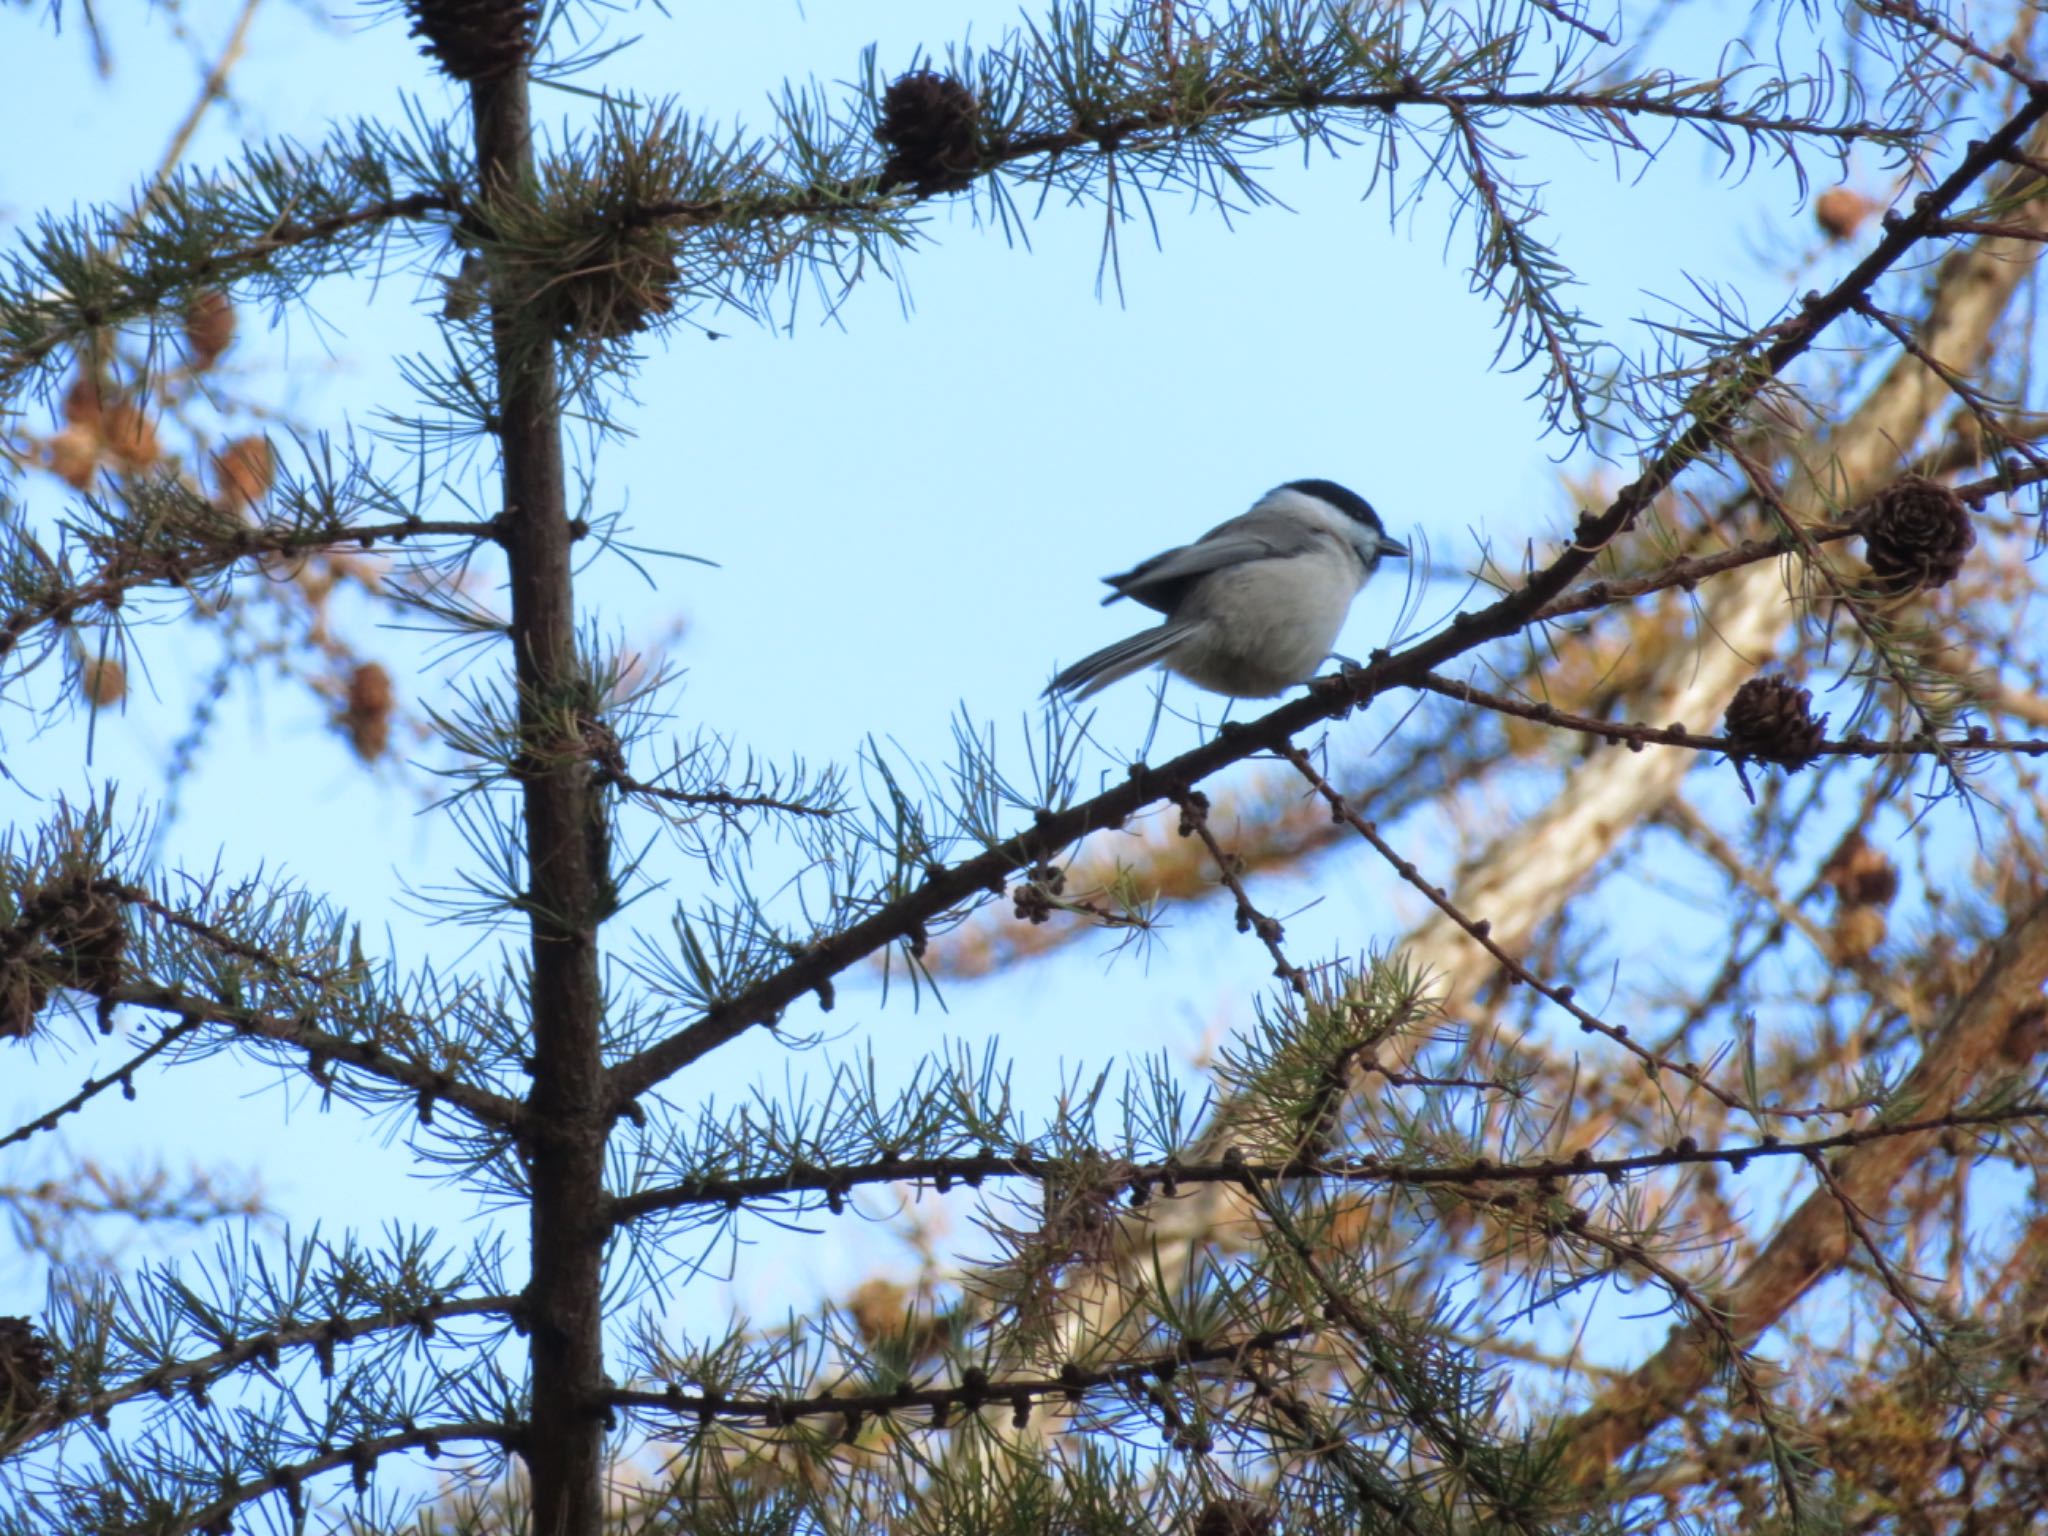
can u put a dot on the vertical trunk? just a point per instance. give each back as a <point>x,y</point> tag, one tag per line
<point>565,1452</point>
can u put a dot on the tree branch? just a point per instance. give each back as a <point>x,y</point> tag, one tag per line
<point>128,571</point>
<point>1636,736</point>
<point>427,1083</point>
<point>1140,1181</point>
<point>1328,698</point>
<point>122,1076</point>
<point>975,1392</point>
<point>202,1371</point>
<point>1816,1239</point>
<point>359,1457</point>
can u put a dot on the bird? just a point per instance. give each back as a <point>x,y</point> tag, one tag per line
<point>1253,606</point>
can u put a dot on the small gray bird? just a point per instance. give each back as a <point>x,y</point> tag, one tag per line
<point>1253,606</point>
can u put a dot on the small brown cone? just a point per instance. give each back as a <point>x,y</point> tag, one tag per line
<point>930,124</point>
<point>25,1371</point>
<point>1771,719</point>
<point>82,401</point>
<point>86,938</point>
<point>877,1307</point>
<point>75,456</point>
<point>1860,876</point>
<point>104,683</point>
<point>1234,1517</point>
<point>1857,933</point>
<point>1840,212</point>
<point>1915,535</point>
<point>22,996</point>
<point>475,39</point>
<point>129,434</point>
<point>368,715</point>
<point>245,470</point>
<point>209,328</point>
<point>1864,882</point>
<point>617,298</point>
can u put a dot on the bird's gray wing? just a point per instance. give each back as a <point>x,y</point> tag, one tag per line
<point>1162,581</point>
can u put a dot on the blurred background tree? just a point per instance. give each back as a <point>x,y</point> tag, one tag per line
<point>1626,1115</point>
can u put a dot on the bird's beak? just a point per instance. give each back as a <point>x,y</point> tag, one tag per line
<point>1393,547</point>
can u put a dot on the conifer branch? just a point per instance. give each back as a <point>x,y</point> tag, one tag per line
<point>264,1351</point>
<point>1276,1299</point>
<point>1637,735</point>
<point>359,1458</point>
<point>426,1085</point>
<point>122,1077</point>
<point>1715,415</point>
<point>63,602</point>
<point>975,1391</point>
<point>1816,1239</point>
<point>1142,1181</point>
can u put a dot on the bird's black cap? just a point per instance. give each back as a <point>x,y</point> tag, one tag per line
<point>1350,503</point>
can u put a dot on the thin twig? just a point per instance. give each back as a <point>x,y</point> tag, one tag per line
<point>122,1077</point>
<point>1194,822</point>
<point>1481,932</point>
<point>359,1457</point>
<point>427,1084</point>
<point>212,89</point>
<point>707,799</point>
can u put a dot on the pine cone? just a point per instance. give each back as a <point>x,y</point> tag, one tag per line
<point>1915,535</point>
<point>22,996</point>
<point>25,1370</point>
<point>1860,875</point>
<point>930,125</point>
<point>75,456</point>
<point>1771,719</point>
<point>1840,212</point>
<point>244,469</point>
<point>475,39</point>
<point>209,327</point>
<point>84,401</point>
<point>1033,904</point>
<point>618,295</point>
<point>129,435</point>
<point>1234,1517</point>
<point>367,718</point>
<point>85,935</point>
<point>1857,933</point>
<point>104,683</point>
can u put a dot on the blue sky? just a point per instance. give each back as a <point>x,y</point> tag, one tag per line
<point>908,505</point>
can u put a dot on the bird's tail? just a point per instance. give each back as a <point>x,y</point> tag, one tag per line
<point>1095,672</point>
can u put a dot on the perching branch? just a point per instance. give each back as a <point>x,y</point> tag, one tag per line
<point>122,1077</point>
<point>945,889</point>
